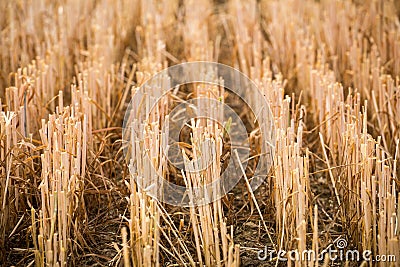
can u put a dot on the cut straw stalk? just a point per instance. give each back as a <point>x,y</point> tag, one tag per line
<point>209,226</point>
<point>61,186</point>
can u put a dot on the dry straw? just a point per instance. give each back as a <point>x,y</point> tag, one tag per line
<point>66,73</point>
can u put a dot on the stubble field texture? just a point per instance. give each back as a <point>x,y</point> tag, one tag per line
<point>68,69</point>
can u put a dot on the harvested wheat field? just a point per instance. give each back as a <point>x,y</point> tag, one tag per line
<point>200,133</point>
